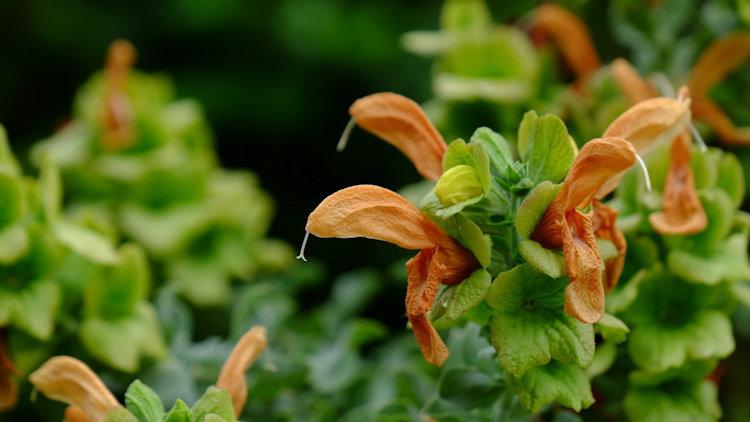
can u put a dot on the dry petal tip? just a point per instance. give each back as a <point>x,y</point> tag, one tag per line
<point>69,380</point>
<point>433,348</point>
<point>232,376</point>
<point>302,249</point>
<point>345,136</point>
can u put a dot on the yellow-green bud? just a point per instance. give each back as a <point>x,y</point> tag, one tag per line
<point>458,184</point>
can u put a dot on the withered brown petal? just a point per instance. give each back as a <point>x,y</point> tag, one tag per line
<point>570,36</point>
<point>584,296</point>
<point>682,212</point>
<point>69,380</point>
<point>651,122</point>
<point>424,273</point>
<point>232,376</point>
<point>402,123</point>
<point>376,213</point>
<point>596,171</point>
<point>603,219</point>
<point>630,82</point>
<point>433,348</point>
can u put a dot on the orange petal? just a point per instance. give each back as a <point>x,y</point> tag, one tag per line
<point>402,123</point>
<point>584,296</point>
<point>119,131</point>
<point>376,213</point>
<point>69,380</point>
<point>75,414</point>
<point>8,386</point>
<point>232,376</point>
<point>630,82</point>
<point>604,228</point>
<point>433,348</point>
<point>708,111</point>
<point>596,171</point>
<point>651,122</point>
<point>717,61</point>
<point>571,37</point>
<point>682,210</point>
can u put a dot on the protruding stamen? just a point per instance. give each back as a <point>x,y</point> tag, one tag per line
<point>698,138</point>
<point>646,176</point>
<point>302,249</point>
<point>345,136</point>
<point>662,83</point>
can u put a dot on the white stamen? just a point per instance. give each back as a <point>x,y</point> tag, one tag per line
<point>645,172</point>
<point>345,136</point>
<point>302,249</point>
<point>662,83</point>
<point>698,138</point>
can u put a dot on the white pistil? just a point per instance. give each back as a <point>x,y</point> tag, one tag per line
<point>661,82</point>
<point>302,249</point>
<point>698,138</point>
<point>645,172</point>
<point>345,136</point>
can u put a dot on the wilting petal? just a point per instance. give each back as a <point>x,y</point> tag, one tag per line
<point>424,274</point>
<point>376,213</point>
<point>630,82</point>
<point>584,296</point>
<point>8,386</point>
<point>119,119</point>
<point>682,212</point>
<point>69,380</point>
<point>651,122</point>
<point>708,111</point>
<point>571,37</point>
<point>604,228</point>
<point>433,348</point>
<point>232,376</point>
<point>402,123</point>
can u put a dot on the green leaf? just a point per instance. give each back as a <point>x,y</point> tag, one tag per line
<point>180,412</point>
<point>604,358</point>
<point>534,206</point>
<point>679,401</point>
<point>50,189</point>
<point>612,329</point>
<point>120,414</point>
<point>31,309</point>
<point>458,15</point>
<point>85,241</point>
<point>544,143</point>
<point>469,293</point>
<point>120,288</point>
<point>567,384</point>
<point>14,242</point>
<point>731,180</point>
<point>469,388</point>
<point>531,327</point>
<point>120,342</point>
<point>547,262</point>
<point>8,162</point>
<point>497,149</point>
<point>727,261</point>
<point>214,401</point>
<point>11,199</point>
<point>465,179</point>
<point>143,402</point>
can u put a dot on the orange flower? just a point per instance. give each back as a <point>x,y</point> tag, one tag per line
<point>232,376</point>
<point>630,82</point>
<point>563,225</point>
<point>650,122</point>
<point>378,213</point>
<point>571,37</point>
<point>119,121</point>
<point>716,62</point>
<point>402,123</point>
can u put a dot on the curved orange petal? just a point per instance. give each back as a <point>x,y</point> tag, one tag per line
<point>376,213</point>
<point>402,123</point>
<point>571,37</point>
<point>433,348</point>
<point>717,61</point>
<point>69,380</point>
<point>682,210</point>
<point>232,376</point>
<point>584,296</point>
<point>75,414</point>
<point>604,228</point>
<point>630,82</point>
<point>651,122</point>
<point>710,112</point>
<point>119,131</point>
